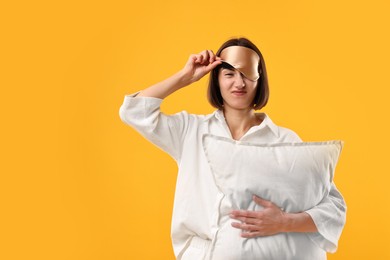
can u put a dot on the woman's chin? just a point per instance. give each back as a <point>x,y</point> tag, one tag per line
<point>238,107</point>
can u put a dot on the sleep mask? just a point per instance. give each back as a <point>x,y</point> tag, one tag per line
<point>243,59</point>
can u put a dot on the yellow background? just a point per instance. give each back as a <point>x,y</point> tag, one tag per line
<point>77,183</point>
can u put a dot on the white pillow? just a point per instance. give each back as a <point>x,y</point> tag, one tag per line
<point>294,176</point>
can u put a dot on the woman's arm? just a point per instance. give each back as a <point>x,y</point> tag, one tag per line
<point>144,115</point>
<point>197,66</point>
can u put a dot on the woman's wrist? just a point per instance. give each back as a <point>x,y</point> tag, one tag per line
<point>298,222</point>
<point>184,79</point>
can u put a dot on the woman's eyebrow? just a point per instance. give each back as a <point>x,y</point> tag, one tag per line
<point>228,69</point>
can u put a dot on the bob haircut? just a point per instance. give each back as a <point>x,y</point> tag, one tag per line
<point>262,92</point>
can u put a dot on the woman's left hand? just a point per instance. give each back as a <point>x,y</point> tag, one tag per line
<point>266,222</point>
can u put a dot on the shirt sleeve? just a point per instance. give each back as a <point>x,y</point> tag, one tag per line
<point>165,131</point>
<point>329,216</point>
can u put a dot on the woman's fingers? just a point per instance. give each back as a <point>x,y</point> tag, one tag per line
<point>247,220</point>
<point>198,58</point>
<point>251,234</point>
<point>201,57</point>
<point>206,57</point>
<point>248,230</point>
<point>212,56</point>
<point>245,213</point>
<point>262,202</point>
<point>245,226</point>
<point>212,65</point>
<point>198,65</point>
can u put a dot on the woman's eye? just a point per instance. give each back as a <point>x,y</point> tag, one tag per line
<point>229,74</point>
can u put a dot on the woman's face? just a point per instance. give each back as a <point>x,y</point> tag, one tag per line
<point>237,91</point>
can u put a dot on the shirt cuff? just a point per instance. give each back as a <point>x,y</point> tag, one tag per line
<point>133,99</point>
<point>324,238</point>
<point>135,95</point>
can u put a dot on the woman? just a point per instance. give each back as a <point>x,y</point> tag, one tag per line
<point>238,86</point>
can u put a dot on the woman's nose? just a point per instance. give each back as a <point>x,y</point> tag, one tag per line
<point>240,82</point>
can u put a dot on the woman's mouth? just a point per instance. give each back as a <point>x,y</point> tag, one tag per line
<point>239,92</point>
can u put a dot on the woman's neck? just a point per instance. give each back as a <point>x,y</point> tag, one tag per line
<point>240,121</point>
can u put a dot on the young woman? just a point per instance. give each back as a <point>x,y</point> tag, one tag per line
<point>238,86</point>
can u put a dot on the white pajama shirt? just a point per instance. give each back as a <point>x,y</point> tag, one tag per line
<point>194,216</point>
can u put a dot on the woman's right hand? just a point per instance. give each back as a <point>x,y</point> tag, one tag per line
<point>198,65</point>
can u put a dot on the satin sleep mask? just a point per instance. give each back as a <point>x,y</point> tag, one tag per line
<point>243,59</point>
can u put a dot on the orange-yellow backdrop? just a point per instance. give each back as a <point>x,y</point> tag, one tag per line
<point>77,183</point>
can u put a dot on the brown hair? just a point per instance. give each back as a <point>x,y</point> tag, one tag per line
<point>262,92</point>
